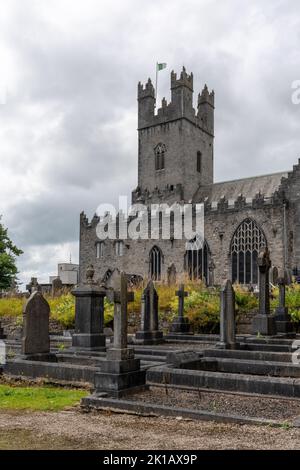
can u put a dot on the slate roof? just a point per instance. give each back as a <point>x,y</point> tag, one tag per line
<point>248,187</point>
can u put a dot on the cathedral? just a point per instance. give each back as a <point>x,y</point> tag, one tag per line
<point>176,164</point>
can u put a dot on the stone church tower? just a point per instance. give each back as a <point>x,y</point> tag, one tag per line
<point>176,144</point>
<point>175,164</point>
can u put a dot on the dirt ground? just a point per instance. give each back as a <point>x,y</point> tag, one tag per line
<point>74,429</point>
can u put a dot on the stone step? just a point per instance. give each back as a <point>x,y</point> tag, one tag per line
<point>282,386</point>
<point>271,369</point>
<point>250,355</point>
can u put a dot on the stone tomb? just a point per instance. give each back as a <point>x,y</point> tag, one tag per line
<point>35,338</point>
<point>89,315</point>
<point>120,372</point>
<point>149,333</point>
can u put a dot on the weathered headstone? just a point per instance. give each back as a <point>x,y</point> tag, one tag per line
<point>211,273</point>
<point>89,315</point>
<point>57,287</point>
<point>181,324</point>
<point>172,274</point>
<point>282,318</point>
<point>264,323</point>
<point>121,371</point>
<point>274,275</point>
<point>149,333</point>
<point>227,317</point>
<point>35,338</point>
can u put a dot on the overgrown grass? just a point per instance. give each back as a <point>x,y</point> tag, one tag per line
<point>202,306</point>
<point>38,398</point>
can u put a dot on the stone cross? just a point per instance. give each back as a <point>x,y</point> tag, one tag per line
<point>120,372</point>
<point>33,286</point>
<point>149,333</point>
<point>181,324</point>
<point>281,286</point>
<point>264,264</point>
<point>120,297</point>
<point>263,322</point>
<point>283,321</point>
<point>181,294</point>
<point>35,338</point>
<point>227,317</point>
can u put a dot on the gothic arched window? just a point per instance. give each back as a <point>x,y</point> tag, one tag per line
<point>246,243</point>
<point>196,259</point>
<point>155,262</point>
<point>160,151</point>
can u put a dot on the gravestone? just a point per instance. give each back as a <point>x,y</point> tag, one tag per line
<point>89,315</point>
<point>121,371</point>
<point>172,275</point>
<point>181,324</point>
<point>282,318</point>
<point>211,273</point>
<point>149,333</point>
<point>227,317</point>
<point>264,322</point>
<point>274,276</point>
<point>2,335</point>
<point>35,337</point>
<point>57,287</point>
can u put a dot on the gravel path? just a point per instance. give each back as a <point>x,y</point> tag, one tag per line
<point>244,405</point>
<point>74,429</point>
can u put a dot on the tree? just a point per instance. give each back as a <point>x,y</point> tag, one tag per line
<point>8,255</point>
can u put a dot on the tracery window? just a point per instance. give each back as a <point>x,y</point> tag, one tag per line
<point>247,242</point>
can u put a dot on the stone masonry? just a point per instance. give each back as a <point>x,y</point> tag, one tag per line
<point>184,134</point>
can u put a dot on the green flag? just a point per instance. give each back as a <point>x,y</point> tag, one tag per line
<point>161,66</point>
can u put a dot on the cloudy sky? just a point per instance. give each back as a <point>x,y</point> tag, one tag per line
<point>68,115</point>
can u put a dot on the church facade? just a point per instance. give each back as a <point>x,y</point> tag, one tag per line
<point>176,164</point>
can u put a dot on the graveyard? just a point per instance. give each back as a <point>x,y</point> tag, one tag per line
<point>234,376</point>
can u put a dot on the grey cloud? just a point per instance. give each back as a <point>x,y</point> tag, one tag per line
<point>68,131</point>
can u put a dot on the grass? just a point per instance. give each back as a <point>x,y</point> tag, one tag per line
<point>202,306</point>
<point>38,398</point>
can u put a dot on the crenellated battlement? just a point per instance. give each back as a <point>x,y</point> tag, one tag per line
<point>206,97</point>
<point>185,80</point>
<point>259,201</point>
<point>180,106</point>
<point>146,91</point>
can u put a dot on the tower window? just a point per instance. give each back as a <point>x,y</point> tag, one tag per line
<point>199,162</point>
<point>160,151</point>
<point>99,250</point>
<point>119,248</point>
